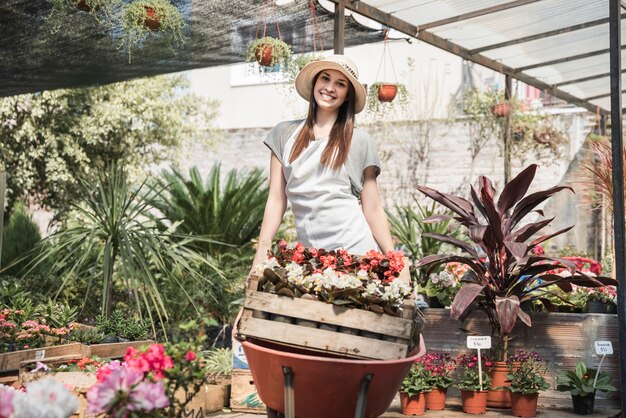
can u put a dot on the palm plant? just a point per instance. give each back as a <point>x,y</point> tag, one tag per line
<point>409,227</point>
<point>118,228</point>
<point>504,272</point>
<point>230,213</point>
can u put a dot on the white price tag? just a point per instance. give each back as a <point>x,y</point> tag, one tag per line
<point>603,348</point>
<point>481,342</point>
<point>40,354</point>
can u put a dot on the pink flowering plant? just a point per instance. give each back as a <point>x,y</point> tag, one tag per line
<point>439,368</point>
<point>417,380</point>
<point>19,331</point>
<point>445,284</point>
<point>366,282</point>
<point>526,372</point>
<point>467,376</point>
<point>155,381</point>
<point>604,294</point>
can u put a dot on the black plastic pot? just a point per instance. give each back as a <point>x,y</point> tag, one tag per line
<point>599,307</point>
<point>583,405</point>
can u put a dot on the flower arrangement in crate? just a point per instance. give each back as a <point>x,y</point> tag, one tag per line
<point>337,277</point>
<point>445,284</point>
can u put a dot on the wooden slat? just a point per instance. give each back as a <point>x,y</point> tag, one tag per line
<point>12,360</point>
<point>336,342</point>
<point>116,349</point>
<point>243,393</point>
<point>329,314</point>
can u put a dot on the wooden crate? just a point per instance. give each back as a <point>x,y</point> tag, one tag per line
<point>243,394</point>
<point>116,350</point>
<point>14,359</point>
<point>210,398</point>
<point>353,333</point>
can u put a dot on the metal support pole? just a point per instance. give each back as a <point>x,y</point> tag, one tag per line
<point>362,400</point>
<point>618,181</point>
<point>340,28</point>
<point>290,407</point>
<point>506,134</point>
<point>3,187</point>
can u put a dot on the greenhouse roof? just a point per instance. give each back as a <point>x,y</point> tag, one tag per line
<point>561,46</point>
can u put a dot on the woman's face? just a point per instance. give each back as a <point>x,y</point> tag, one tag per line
<point>331,90</point>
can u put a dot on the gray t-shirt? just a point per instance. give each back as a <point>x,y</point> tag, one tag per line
<point>362,151</point>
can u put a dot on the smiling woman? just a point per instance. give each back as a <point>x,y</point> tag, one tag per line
<point>325,167</point>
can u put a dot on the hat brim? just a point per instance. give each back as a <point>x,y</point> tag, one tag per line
<point>304,81</point>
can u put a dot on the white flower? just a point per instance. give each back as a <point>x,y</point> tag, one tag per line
<point>363,275</point>
<point>295,272</point>
<point>373,288</point>
<point>46,398</point>
<point>270,263</point>
<point>434,278</point>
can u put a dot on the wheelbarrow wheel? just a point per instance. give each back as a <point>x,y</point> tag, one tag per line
<point>274,414</point>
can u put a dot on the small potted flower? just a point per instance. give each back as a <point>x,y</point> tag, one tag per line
<point>527,378</point>
<point>268,51</point>
<point>602,300</point>
<point>439,367</point>
<point>442,286</point>
<point>144,18</point>
<point>473,393</point>
<point>582,383</point>
<point>414,385</point>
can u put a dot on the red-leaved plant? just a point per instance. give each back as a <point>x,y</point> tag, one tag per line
<point>504,272</point>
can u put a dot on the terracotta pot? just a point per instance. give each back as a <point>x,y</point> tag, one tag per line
<point>387,92</point>
<point>153,20</point>
<point>81,5</point>
<point>263,55</point>
<point>501,110</point>
<point>524,405</point>
<point>499,398</point>
<point>436,399</point>
<point>413,405</point>
<point>583,405</point>
<point>474,402</point>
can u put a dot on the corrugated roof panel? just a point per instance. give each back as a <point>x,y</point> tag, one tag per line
<point>605,103</point>
<point>574,69</point>
<point>419,12</point>
<point>534,18</point>
<point>591,88</point>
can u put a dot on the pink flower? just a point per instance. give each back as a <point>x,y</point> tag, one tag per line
<point>101,397</point>
<point>6,401</point>
<point>147,396</point>
<point>190,356</point>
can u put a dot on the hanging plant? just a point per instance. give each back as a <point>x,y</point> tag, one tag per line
<point>144,18</point>
<point>381,97</point>
<point>268,52</point>
<point>501,110</point>
<point>103,11</point>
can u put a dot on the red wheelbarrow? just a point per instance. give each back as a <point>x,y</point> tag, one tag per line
<point>305,384</point>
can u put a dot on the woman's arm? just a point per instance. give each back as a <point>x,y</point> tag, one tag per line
<point>274,210</point>
<point>374,212</point>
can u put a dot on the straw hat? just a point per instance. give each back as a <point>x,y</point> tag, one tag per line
<point>341,63</point>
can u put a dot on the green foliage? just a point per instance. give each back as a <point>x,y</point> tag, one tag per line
<point>219,361</point>
<point>119,226</point>
<point>526,373</point>
<point>48,140</point>
<point>408,227</point>
<point>86,335</point>
<point>103,11</point>
<point>20,235</point>
<point>281,52</point>
<point>417,381</point>
<point>58,315</point>
<point>142,19</point>
<point>121,325</point>
<point>582,381</point>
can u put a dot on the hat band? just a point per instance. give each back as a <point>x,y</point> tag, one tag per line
<point>347,68</point>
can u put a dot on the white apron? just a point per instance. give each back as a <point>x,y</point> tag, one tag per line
<point>327,214</point>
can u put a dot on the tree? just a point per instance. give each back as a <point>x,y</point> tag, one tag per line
<point>50,139</point>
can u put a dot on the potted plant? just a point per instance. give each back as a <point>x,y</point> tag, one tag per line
<point>473,393</point>
<point>501,109</point>
<point>268,51</point>
<point>414,385</point>
<point>144,18</point>
<point>527,378</point>
<point>442,286</point>
<point>503,271</point>
<point>103,11</point>
<point>582,383</point>
<point>602,300</point>
<point>439,368</point>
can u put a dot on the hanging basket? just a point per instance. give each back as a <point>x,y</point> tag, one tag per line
<point>82,5</point>
<point>501,110</point>
<point>153,19</point>
<point>387,92</point>
<point>263,55</point>
<point>268,51</point>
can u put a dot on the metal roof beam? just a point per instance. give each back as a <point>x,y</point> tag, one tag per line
<point>566,59</point>
<point>475,13</point>
<point>583,79</point>
<point>432,39</point>
<point>601,96</point>
<point>543,35</point>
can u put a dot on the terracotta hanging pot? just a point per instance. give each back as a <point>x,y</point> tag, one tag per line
<point>524,405</point>
<point>153,20</point>
<point>499,398</point>
<point>501,110</point>
<point>82,5</point>
<point>436,399</point>
<point>413,405</point>
<point>387,92</point>
<point>263,55</point>
<point>474,402</point>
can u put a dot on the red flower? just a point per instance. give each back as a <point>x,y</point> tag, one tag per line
<point>190,356</point>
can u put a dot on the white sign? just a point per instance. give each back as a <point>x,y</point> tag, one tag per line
<point>481,342</point>
<point>40,354</point>
<point>603,348</point>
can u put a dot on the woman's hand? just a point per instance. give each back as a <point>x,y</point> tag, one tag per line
<point>374,213</point>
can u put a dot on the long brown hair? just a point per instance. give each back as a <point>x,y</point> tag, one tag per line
<point>340,138</point>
